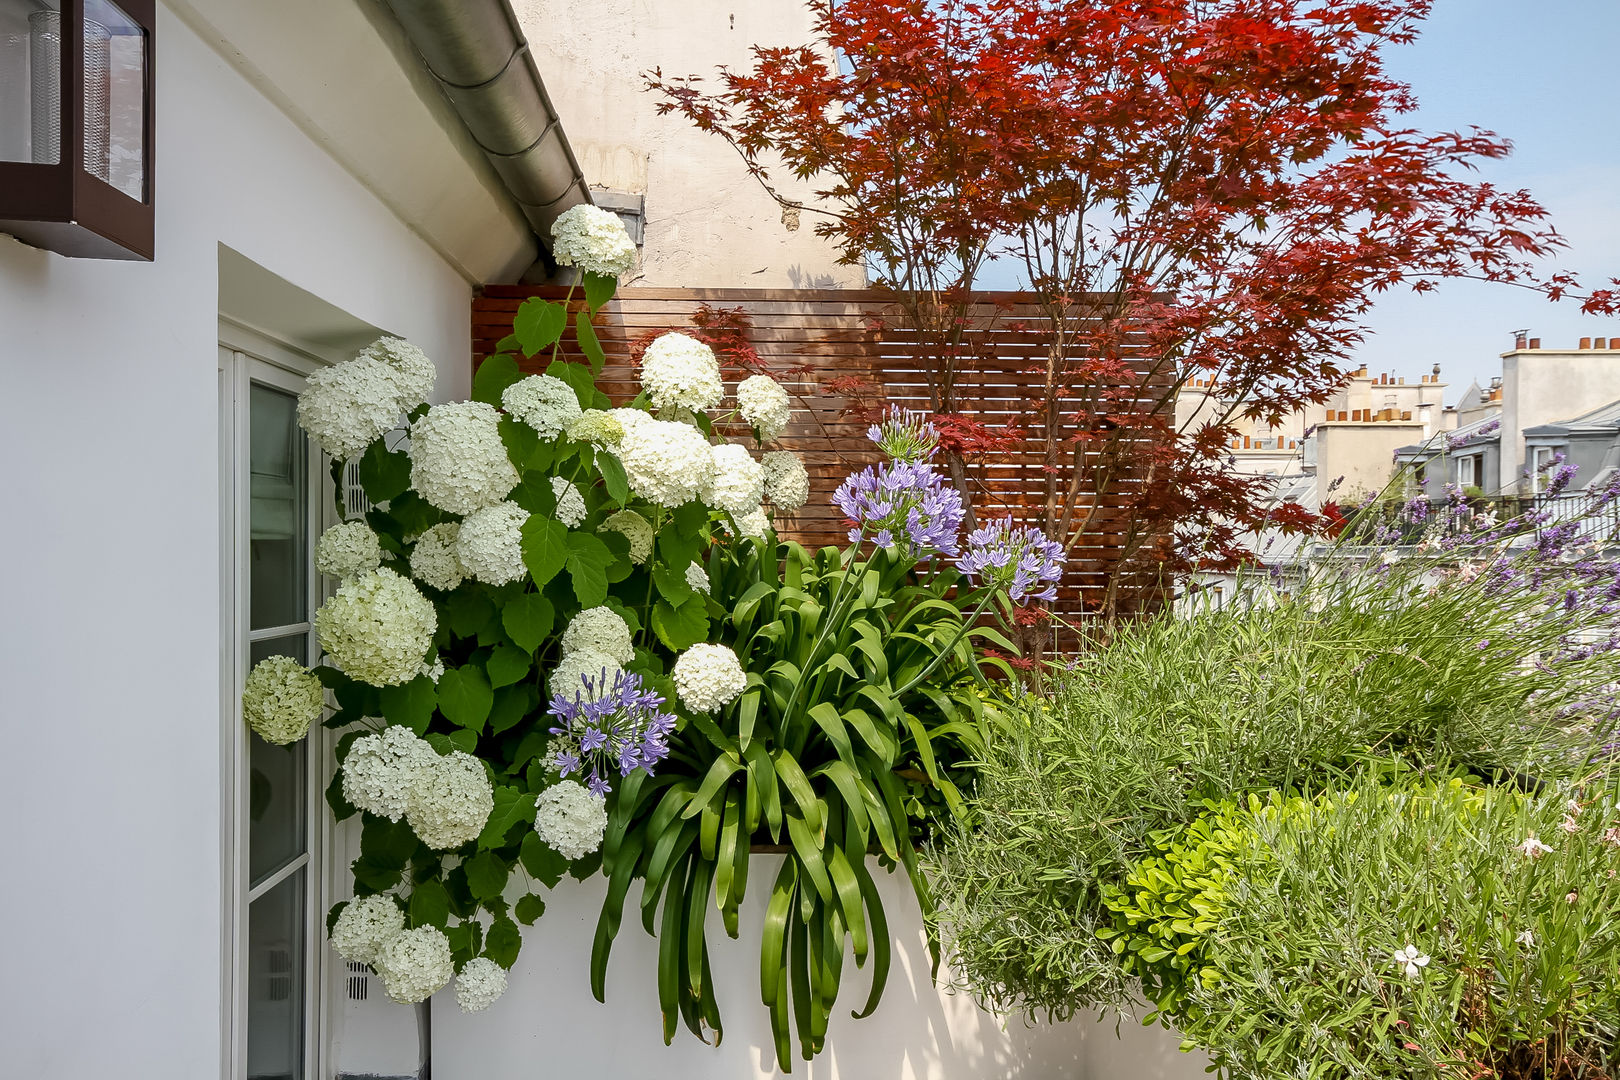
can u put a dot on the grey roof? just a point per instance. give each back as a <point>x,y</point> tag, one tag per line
<point>1456,439</point>
<point>1603,420</point>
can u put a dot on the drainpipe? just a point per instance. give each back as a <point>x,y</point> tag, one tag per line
<point>476,52</point>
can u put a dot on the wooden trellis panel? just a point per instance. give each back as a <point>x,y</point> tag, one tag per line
<point>850,332</point>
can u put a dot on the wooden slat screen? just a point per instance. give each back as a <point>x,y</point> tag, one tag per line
<point>849,332</point>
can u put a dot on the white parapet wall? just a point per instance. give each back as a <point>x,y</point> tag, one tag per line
<point>549,1025</point>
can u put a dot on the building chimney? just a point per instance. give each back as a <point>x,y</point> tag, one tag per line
<point>1535,343</point>
<point>1519,339</point>
<point>1600,343</point>
<point>1586,343</point>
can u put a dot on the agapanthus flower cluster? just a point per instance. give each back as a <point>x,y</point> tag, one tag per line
<point>599,630</point>
<point>1018,560</point>
<point>281,699</point>
<point>490,544</point>
<point>594,240</point>
<point>381,771</point>
<point>415,964</point>
<point>434,560</point>
<point>787,483</point>
<point>904,505</point>
<point>570,819</point>
<point>736,481</point>
<point>708,677</point>
<point>544,402</point>
<point>480,984</point>
<point>667,462</point>
<point>364,926</point>
<point>458,462</point>
<point>622,729</point>
<point>905,435</point>
<point>634,528</point>
<point>680,372</point>
<point>570,503</point>
<point>764,405</point>
<point>601,429</point>
<point>347,550</point>
<point>377,628</point>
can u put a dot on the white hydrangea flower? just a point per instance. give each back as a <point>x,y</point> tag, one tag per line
<point>737,483</point>
<point>458,462</point>
<point>680,372</point>
<point>569,678</point>
<point>570,819</point>
<point>415,964</point>
<point>764,404</point>
<point>347,550</point>
<point>544,402</point>
<point>570,503</point>
<point>364,926</point>
<point>451,802</point>
<point>481,983</point>
<point>594,240</point>
<point>787,484</point>
<point>348,406</point>
<point>708,676</point>
<point>434,560</point>
<point>280,699</point>
<point>599,630</point>
<point>602,430</point>
<point>414,373</point>
<point>490,544</point>
<point>381,771</point>
<point>377,628</point>
<point>634,528</point>
<point>668,462</point>
<point>756,523</point>
<point>433,670</point>
<point>697,577</point>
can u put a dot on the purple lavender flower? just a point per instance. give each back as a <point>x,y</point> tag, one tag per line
<point>1020,560</point>
<point>902,504</point>
<point>623,729</point>
<point>1455,441</point>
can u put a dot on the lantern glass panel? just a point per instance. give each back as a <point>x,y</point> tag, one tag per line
<point>31,81</point>
<point>114,98</point>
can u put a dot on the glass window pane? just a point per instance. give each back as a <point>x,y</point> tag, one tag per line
<point>279,518</point>
<point>114,97</point>
<point>275,1005</point>
<point>30,81</point>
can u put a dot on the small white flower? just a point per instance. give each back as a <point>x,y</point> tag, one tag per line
<point>570,819</point>
<point>697,577</point>
<point>764,404</point>
<point>601,429</point>
<point>364,926</point>
<point>680,372</point>
<point>756,523</point>
<point>413,372</point>
<point>544,402</point>
<point>433,670</point>
<point>490,544</point>
<point>787,483</point>
<point>481,983</point>
<point>593,239</point>
<point>736,481</point>
<point>348,406</point>
<point>458,462</point>
<point>634,528</point>
<point>583,676</point>
<point>1410,959</point>
<point>377,628</point>
<point>1532,847</point>
<point>451,801</point>
<point>415,964</point>
<point>347,550</point>
<point>381,771</point>
<point>599,630</point>
<point>667,462</point>
<point>708,677</point>
<point>433,559</point>
<point>1527,939</point>
<point>281,699</point>
<point>570,503</point>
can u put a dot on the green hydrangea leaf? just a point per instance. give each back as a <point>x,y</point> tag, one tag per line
<point>614,480</point>
<point>545,548</point>
<point>512,806</point>
<point>599,289</point>
<point>542,863</point>
<point>430,904</point>
<point>341,810</point>
<point>410,703</point>
<point>468,611</point>
<point>681,627</point>
<point>492,378</point>
<point>384,474</point>
<point>506,665</point>
<point>538,324</point>
<point>503,941</point>
<point>512,704</point>
<point>465,697</point>
<point>592,348</point>
<point>466,939</point>
<point>529,908</point>
<point>672,584</point>
<point>528,619</point>
<point>588,561</point>
<point>582,380</point>
<point>486,875</point>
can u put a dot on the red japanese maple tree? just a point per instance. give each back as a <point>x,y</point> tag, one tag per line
<point>1211,189</point>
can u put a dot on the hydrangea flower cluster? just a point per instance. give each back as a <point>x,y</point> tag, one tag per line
<point>736,482</point>
<point>764,404</point>
<point>594,240</point>
<point>708,677</point>
<point>621,728</point>
<point>490,544</point>
<point>787,484</point>
<point>413,373</point>
<point>599,630</point>
<point>902,504</point>
<point>905,435</point>
<point>544,402</point>
<point>381,771</point>
<point>680,372</point>
<point>570,503</point>
<point>601,429</point>
<point>434,560</point>
<point>415,964</point>
<point>570,819</point>
<point>756,524</point>
<point>480,984</point>
<point>634,528</point>
<point>582,675</point>
<point>348,406</point>
<point>458,462</point>
<point>451,801</point>
<point>697,578</point>
<point>1020,561</point>
<point>347,550</point>
<point>364,926</point>
<point>377,628</point>
<point>666,461</point>
<point>281,699</point>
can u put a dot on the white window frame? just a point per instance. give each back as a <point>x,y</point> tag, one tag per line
<point>1475,464</point>
<point>245,357</point>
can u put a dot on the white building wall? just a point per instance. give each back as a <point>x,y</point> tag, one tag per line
<point>1541,386</point>
<point>110,607</point>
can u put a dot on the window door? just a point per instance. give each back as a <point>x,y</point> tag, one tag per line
<point>272,514</point>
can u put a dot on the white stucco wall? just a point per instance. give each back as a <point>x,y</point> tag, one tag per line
<point>548,1024</point>
<point>1541,386</point>
<point>1362,453</point>
<point>110,605</point>
<point>708,224</point>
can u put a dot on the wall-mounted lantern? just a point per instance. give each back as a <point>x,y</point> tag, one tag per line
<point>76,126</point>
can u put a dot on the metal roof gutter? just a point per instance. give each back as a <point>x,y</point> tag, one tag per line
<point>476,52</point>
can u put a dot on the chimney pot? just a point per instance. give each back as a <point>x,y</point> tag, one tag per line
<point>1401,380</point>
<point>1586,343</point>
<point>1600,343</point>
<point>1535,343</point>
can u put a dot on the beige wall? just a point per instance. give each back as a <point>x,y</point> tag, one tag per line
<point>1364,454</point>
<point>1540,386</point>
<point>708,223</point>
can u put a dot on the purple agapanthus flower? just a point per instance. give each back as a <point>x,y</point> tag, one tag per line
<point>905,435</point>
<point>622,729</point>
<point>1020,560</point>
<point>901,504</point>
